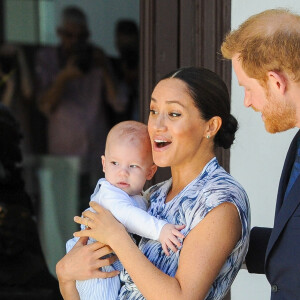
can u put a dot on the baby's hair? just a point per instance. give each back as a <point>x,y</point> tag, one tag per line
<point>133,131</point>
<point>130,128</point>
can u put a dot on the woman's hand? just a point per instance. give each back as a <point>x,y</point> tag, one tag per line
<point>103,227</point>
<point>84,261</point>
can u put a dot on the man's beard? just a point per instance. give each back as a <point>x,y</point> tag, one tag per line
<point>278,115</point>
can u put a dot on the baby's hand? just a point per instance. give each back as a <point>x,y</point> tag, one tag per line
<point>169,237</point>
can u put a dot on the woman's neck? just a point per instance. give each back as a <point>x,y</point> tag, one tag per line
<point>182,176</point>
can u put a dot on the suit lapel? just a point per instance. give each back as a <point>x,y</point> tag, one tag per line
<point>285,207</point>
<point>288,207</point>
<point>286,171</point>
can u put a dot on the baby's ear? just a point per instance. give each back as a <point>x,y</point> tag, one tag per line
<point>151,172</point>
<point>103,162</point>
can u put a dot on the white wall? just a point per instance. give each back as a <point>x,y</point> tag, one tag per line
<point>257,157</point>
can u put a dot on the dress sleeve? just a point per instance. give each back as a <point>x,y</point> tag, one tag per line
<point>126,211</point>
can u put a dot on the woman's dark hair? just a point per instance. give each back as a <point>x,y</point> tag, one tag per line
<point>211,97</point>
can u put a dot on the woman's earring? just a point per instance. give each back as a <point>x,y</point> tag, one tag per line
<point>207,136</point>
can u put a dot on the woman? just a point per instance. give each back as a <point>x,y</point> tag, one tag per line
<point>189,118</point>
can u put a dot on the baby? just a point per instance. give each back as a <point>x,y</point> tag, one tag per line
<point>127,165</point>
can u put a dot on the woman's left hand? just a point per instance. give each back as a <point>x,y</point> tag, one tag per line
<point>102,226</point>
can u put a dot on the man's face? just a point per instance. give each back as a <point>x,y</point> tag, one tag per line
<point>277,113</point>
<point>125,42</point>
<point>70,34</point>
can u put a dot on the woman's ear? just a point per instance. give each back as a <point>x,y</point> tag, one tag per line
<point>277,81</point>
<point>103,162</point>
<point>152,170</point>
<point>213,127</point>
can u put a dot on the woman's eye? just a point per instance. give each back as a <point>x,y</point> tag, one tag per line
<point>173,114</point>
<point>114,163</point>
<point>153,112</point>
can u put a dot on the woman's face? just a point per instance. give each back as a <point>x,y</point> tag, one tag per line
<point>175,126</point>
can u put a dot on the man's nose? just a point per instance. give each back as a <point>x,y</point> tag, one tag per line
<point>247,100</point>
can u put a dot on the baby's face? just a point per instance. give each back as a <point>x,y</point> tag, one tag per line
<point>128,166</point>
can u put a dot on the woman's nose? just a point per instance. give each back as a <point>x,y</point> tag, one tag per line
<point>159,123</point>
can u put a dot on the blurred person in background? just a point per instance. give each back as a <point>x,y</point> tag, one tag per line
<point>74,86</point>
<point>16,88</point>
<point>23,269</point>
<point>126,70</point>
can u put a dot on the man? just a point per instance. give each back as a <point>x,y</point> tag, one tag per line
<point>266,59</point>
<point>126,69</point>
<point>74,83</point>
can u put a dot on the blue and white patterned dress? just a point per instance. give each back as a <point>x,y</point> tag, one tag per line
<point>211,188</point>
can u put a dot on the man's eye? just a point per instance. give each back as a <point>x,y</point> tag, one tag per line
<point>114,163</point>
<point>173,114</point>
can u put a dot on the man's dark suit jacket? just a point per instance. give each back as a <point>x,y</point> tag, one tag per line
<point>276,252</point>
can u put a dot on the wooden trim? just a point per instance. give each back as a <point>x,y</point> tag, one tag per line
<point>188,33</point>
<point>147,71</point>
<point>177,33</point>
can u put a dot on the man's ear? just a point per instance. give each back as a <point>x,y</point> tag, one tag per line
<point>152,170</point>
<point>277,81</point>
<point>103,162</point>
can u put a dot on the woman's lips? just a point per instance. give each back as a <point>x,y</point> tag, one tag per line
<point>161,144</point>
